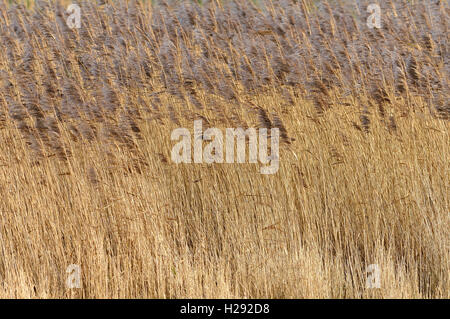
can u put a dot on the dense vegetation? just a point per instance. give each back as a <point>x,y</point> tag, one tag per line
<point>86,176</point>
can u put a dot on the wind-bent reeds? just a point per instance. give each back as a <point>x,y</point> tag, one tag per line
<point>85,170</point>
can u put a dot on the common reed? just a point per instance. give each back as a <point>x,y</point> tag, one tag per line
<point>86,176</point>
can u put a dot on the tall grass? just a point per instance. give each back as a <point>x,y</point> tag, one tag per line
<point>86,176</point>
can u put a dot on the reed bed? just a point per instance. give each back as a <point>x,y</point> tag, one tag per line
<point>86,176</point>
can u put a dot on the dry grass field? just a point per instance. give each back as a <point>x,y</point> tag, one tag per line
<point>86,175</point>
